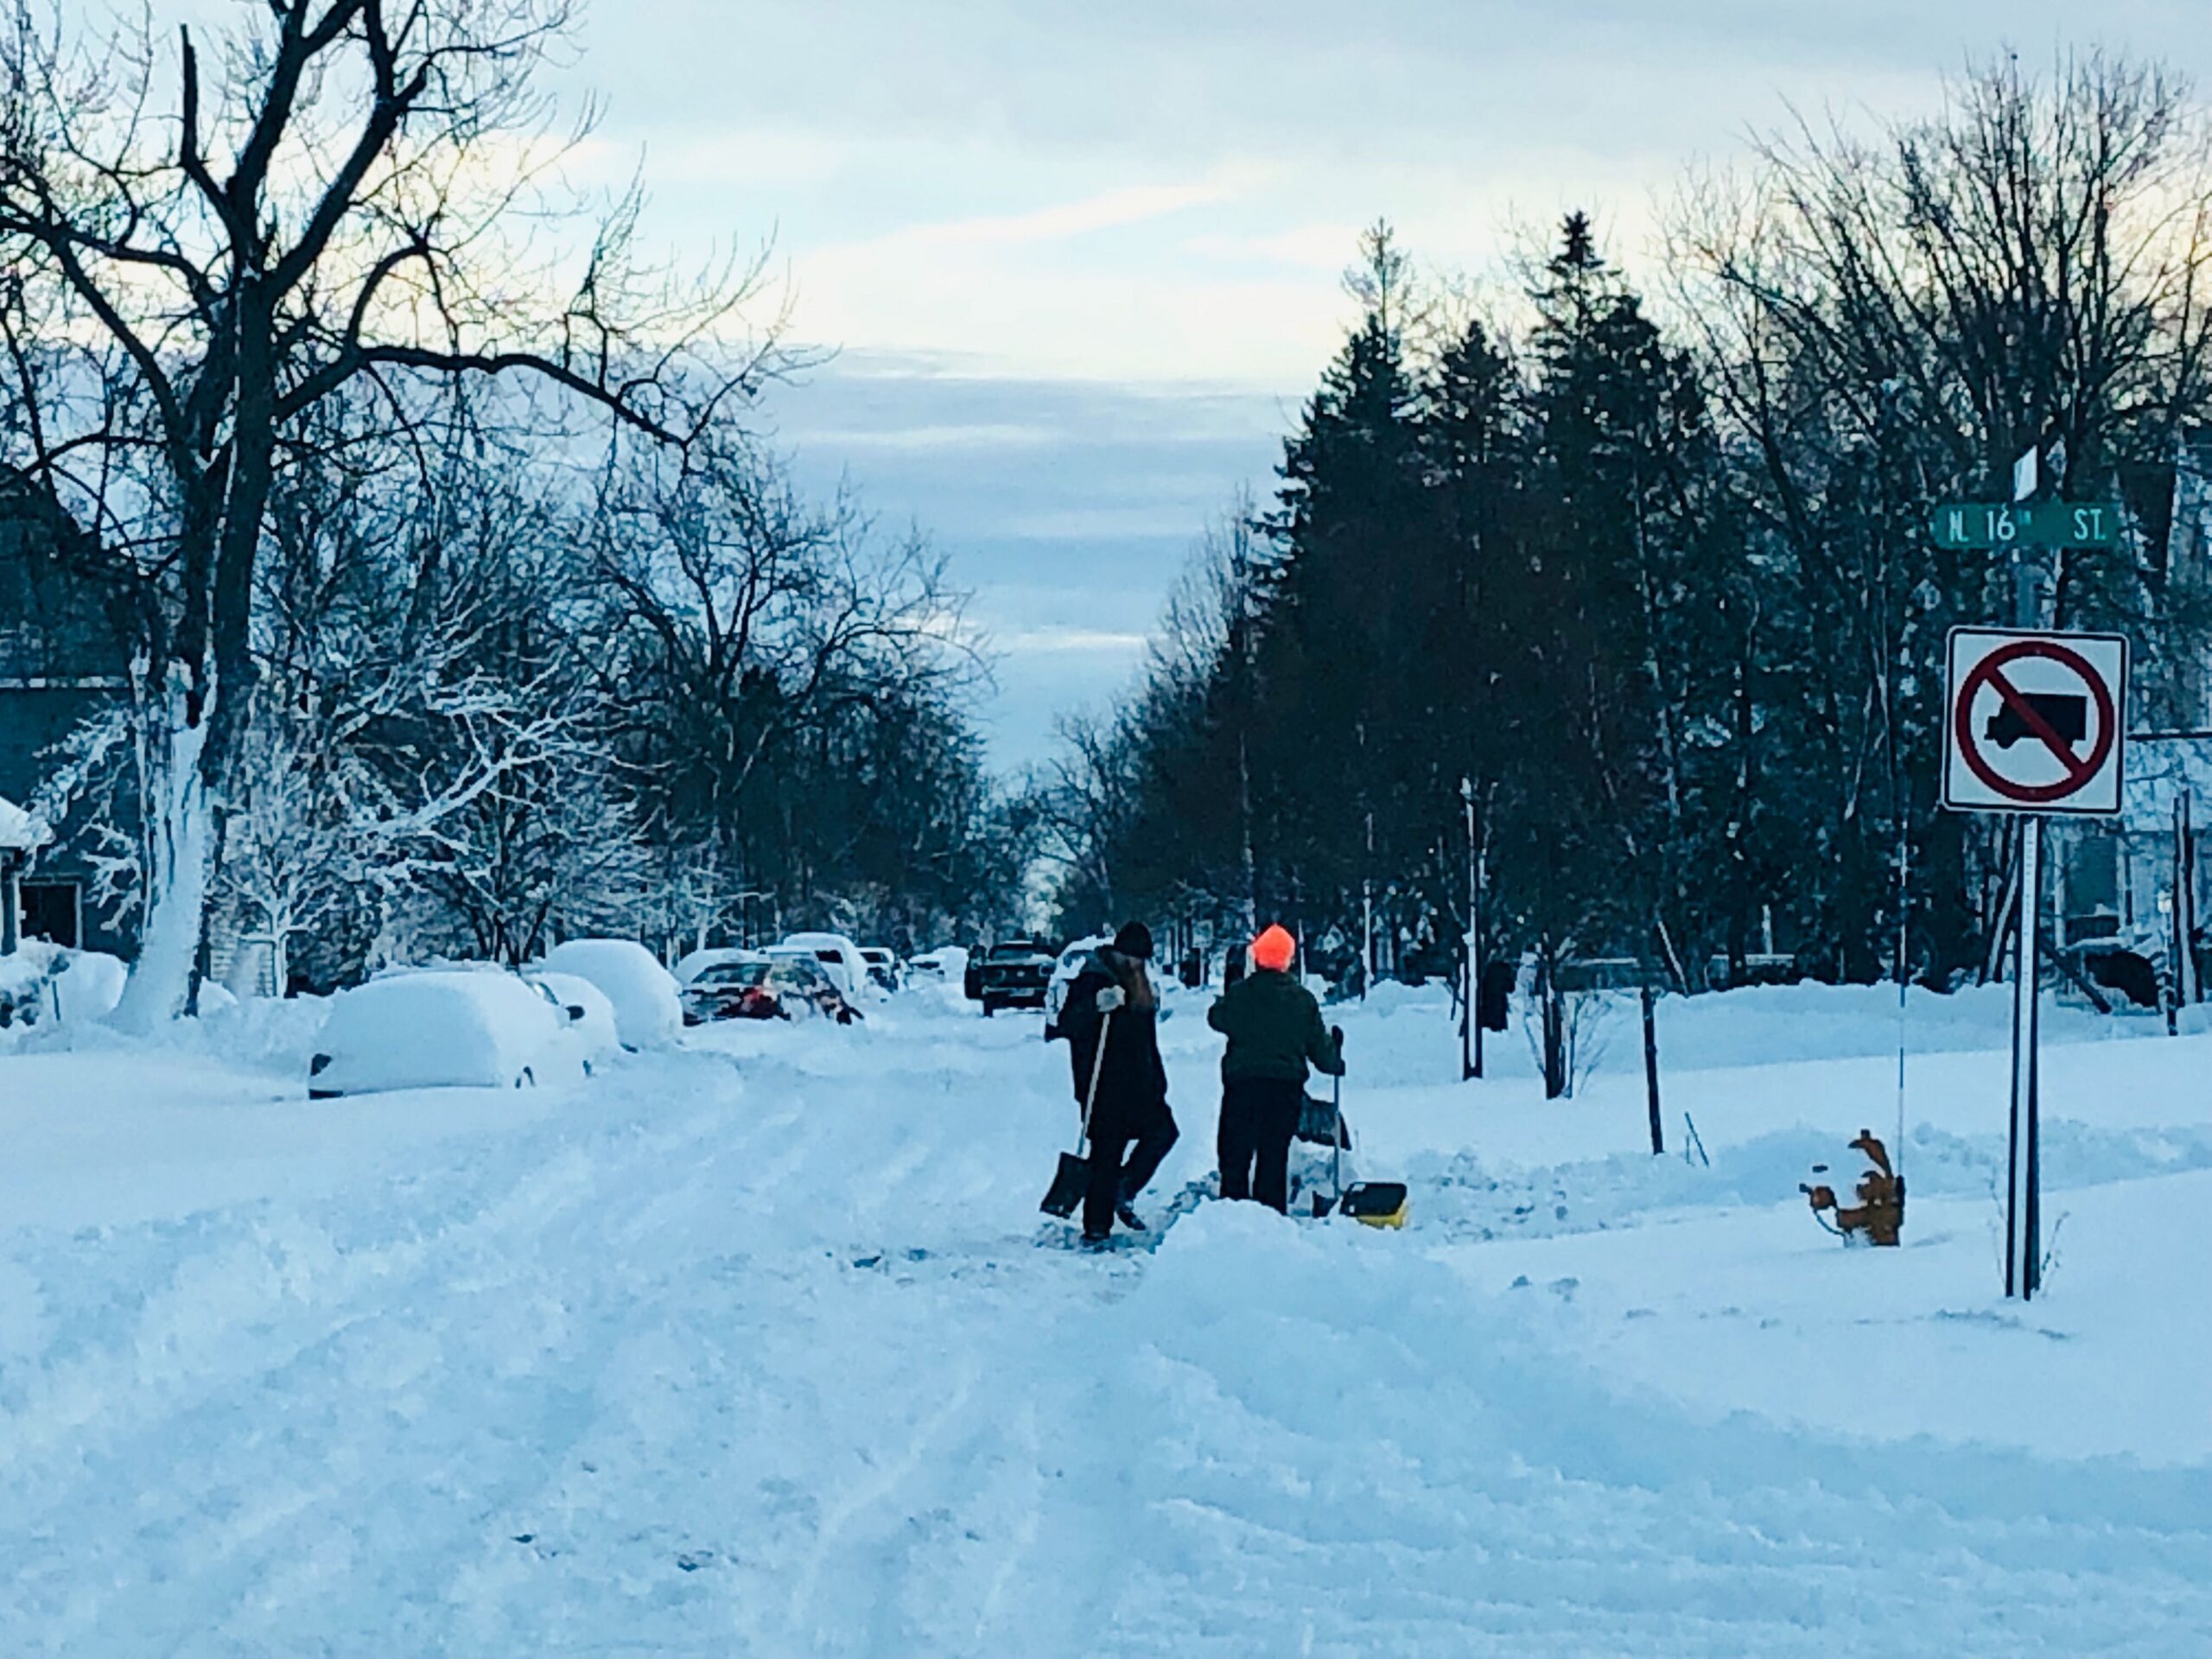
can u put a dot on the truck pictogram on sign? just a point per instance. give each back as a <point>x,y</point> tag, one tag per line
<point>2034,721</point>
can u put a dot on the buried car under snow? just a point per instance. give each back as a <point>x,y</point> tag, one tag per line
<point>445,1028</point>
<point>644,994</point>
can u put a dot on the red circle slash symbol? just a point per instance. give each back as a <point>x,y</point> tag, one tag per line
<point>1989,671</point>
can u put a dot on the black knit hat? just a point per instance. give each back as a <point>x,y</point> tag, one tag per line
<point>1135,940</point>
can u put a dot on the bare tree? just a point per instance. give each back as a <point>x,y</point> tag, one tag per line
<point>347,197</point>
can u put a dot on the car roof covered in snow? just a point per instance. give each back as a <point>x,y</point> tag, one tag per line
<point>643,991</point>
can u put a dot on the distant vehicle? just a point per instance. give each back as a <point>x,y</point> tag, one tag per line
<point>1014,973</point>
<point>946,965</point>
<point>839,956</point>
<point>761,986</point>
<point>882,968</point>
<point>1065,972</point>
<point>445,1028</point>
<point>813,984</point>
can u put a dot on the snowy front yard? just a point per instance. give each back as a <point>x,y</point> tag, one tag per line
<point>749,1348</point>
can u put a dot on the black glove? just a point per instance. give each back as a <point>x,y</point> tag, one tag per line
<point>1337,1035</point>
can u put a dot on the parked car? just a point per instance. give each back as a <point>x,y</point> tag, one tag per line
<point>944,966</point>
<point>813,984</point>
<point>688,968</point>
<point>882,968</point>
<point>443,1028</point>
<point>742,985</point>
<point>1014,973</point>
<point>586,1012</point>
<point>646,1011</point>
<point>840,957</point>
<point>1064,975</point>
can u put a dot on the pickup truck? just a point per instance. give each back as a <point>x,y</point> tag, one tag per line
<point>1014,974</point>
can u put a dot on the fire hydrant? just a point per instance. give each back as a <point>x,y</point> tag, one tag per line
<point>1879,1215</point>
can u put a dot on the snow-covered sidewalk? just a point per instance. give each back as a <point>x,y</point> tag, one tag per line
<point>749,1349</point>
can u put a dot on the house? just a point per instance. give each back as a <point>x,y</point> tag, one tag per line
<point>65,654</point>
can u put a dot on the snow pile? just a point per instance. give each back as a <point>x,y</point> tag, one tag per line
<point>647,1010</point>
<point>91,985</point>
<point>434,1029</point>
<point>758,1345</point>
<point>273,1034</point>
<point>43,983</point>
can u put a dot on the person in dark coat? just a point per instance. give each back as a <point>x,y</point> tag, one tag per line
<point>1274,1031</point>
<point>1131,1128</point>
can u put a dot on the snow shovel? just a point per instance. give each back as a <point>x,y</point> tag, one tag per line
<point>1378,1204</point>
<point>1072,1179</point>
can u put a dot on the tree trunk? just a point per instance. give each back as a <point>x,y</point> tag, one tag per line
<point>178,876</point>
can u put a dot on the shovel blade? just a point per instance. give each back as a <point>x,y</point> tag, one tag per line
<point>1068,1184</point>
<point>1379,1204</point>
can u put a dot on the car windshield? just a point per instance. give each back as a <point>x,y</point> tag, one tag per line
<point>733,973</point>
<point>1013,952</point>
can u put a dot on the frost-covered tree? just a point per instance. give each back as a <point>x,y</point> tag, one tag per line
<point>340,194</point>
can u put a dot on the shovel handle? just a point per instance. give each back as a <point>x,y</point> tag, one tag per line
<point>1097,1064</point>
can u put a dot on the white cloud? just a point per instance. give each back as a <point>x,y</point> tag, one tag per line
<point>1046,641</point>
<point>1136,204</point>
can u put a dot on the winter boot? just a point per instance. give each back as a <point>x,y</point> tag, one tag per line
<point>1125,1209</point>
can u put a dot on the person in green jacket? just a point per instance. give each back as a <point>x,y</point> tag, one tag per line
<point>1274,1030</point>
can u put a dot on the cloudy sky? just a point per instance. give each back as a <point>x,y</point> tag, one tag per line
<point>1079,258</point>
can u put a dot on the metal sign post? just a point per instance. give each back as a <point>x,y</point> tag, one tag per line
<point>2033,728</point>
<point>2023,1248</point>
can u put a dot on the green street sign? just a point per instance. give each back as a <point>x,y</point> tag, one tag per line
<point>2031,523</point>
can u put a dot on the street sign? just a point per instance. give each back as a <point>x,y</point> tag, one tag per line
<point>2033,722</point>
<point>2028,524</point>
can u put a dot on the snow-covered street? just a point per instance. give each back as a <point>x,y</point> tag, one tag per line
<point>750,1348</point>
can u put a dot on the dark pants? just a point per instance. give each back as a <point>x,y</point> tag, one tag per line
<point>1258,1117</point>
<point>1124,1155</point>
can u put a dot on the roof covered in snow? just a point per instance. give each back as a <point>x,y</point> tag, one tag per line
<point>20,830</point>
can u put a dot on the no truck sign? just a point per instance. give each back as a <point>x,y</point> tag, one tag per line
<point>2034,722</point>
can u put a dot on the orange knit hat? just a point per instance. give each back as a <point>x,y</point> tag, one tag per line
<point>1273,949</point>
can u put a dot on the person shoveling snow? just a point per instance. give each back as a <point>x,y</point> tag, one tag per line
<point>1110,1020</point>
<point>1274,1031</point>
